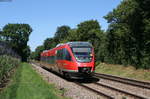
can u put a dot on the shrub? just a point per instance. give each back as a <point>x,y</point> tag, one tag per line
<point>7,63</point>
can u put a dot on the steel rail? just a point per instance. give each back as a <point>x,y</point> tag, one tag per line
<point>128,81</point>
<point>121,91</point>
<point>95,91</point>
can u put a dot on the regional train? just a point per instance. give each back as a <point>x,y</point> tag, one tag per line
<point>72,59</point>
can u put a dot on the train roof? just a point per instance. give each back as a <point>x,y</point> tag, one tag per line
<point>71,44</point>
<point>74,44</point>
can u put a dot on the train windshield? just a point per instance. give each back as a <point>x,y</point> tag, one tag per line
<point>82,54</point>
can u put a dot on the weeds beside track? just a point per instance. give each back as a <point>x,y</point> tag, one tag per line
<point>7,64</point>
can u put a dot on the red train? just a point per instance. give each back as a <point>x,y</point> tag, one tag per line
<point>72,59</point>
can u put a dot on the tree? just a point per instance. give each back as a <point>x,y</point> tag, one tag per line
<point>0,35</point>
<point>18,35</point>
<point>145,31</point>
<point>72,36</point>
<point>32,55</point>
<point>61,33</point>
<point>98,40</point>
<point>36,54</point>
<point>84,28</point>
<point>127,33</point>
<point>26,52</point>
<point>91,31</point>
<point>122,46</point>
<point>49,43</point>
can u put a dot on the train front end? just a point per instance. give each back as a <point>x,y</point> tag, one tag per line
<point>83,58</point>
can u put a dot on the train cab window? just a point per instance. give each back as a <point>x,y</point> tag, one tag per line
<point>82,54</point>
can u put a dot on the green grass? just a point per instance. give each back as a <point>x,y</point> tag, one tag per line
<point>124,71</point>
<point>27,84</point>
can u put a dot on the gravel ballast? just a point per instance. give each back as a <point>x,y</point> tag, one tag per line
<point>126,87</point>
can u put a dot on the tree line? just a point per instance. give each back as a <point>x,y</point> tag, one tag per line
<point>126,41</point>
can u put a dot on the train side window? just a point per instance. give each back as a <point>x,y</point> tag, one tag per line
<point>60,54</point>
<point>67,55</point>
<point>53,59</point>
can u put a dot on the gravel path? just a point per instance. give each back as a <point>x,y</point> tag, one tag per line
<point>71,89</point>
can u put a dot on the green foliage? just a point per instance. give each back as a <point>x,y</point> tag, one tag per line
<point>1,38</point>
<point>61,33</point>
<point>17,35</point>
<point>84,29</point>
<point>26,52</point>
<point>72,36</point>
<point>128,33</point>
<point>7,63</point>
<point>49,43</point>
<point>36,55</point>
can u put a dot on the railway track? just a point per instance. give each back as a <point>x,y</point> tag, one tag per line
<point>116,92</point>
<point>131,87</point>
<point>122,91</point>
<point>128,81</point>
<point>95,91</point>
<point>110,92</point>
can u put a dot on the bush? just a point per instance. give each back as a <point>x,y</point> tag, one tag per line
<point>7,63</point>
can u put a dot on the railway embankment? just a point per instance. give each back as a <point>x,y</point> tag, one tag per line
<point>124,71</point>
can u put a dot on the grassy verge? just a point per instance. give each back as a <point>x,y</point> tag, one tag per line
<point>27,84</point>
<point>124,71</point>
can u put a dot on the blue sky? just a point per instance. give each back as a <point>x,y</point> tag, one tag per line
<point>44,16</point>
